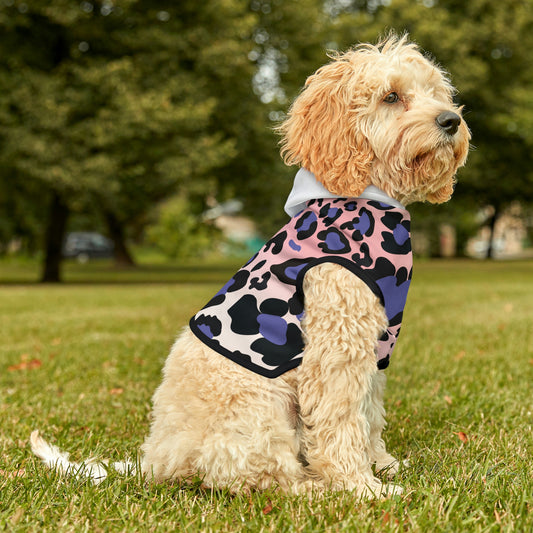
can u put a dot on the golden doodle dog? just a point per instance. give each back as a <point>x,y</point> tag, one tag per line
<point>278,381</point>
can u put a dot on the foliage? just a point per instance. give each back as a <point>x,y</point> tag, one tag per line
<point>81,363</point>
<point>116,106</point>
<point>180,233</point>
<point>100,104</point>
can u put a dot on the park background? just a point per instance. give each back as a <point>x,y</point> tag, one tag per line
<point>149,122</point>
<point>146,121</point>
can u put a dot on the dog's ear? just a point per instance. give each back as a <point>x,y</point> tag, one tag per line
<point>323,134</point>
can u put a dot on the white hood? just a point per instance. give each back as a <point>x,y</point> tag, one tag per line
<point>306,187</point>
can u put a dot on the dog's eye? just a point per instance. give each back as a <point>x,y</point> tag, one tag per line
<point>391,98</point>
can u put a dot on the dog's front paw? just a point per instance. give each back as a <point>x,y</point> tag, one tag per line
<point>380,490</point>
<point>388,466</point>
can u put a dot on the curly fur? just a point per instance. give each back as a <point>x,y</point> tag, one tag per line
<point>318,426</point>
<point>339,129</point>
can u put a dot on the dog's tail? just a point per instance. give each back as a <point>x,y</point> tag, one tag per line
<point>92,469</point>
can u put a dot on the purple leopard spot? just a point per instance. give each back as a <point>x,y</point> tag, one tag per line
<point>395,294</point>
<point>334,242</point>
<point>273,328</point>
<point>306,223</point>
<point>400,234</point>
<point>363,225</point>
<point>332,212</point>
<point>292,272</point>
<point>206,330</point>
<point>294,246</point>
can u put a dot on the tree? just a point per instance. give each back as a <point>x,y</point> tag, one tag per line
<point>286,45</point>
<point>105,105</point>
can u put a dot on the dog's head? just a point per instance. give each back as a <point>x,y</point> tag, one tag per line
<point>379,115</point>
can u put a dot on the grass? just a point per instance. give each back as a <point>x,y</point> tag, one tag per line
<point>81,360</point>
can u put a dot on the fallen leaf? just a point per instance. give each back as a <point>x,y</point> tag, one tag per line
<point>117,391</point>
<point>448,400</point>
<point>460,355</point>
<point>462,436</point>
<point>25,364</point>
<point>267,509</point>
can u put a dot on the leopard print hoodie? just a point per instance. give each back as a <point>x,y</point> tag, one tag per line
<point>255,319</point>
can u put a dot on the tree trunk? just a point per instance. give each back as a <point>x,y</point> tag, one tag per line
<point>492,226</point>
<point>55,235</point>
<point>115,228</point>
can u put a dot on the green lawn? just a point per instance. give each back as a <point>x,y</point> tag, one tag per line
<point>80,362</point>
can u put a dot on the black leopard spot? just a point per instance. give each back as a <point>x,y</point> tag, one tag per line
<point>306,225</point>
<point>329,214</point>
<point>397,242</point>
<point>288,271</point>
<point>274,354</point>
<point>363,225</point>
<point>259,265</point>
<point>392,219</point>
<point>244,315</point>
<point>239,281</point>
<point>276,242</point>
<point>260,285</point>
<point>383,268</point>
<point>403,274</point>
<point>363,259</point>
<point>274,306</point>
<point>296,305</point>
<point>379,205</point>
<point>240,357</point>
<point>209,325</point>
<point>334,242</point>
<point>384,363</point>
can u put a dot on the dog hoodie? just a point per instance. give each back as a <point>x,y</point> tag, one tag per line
<point>255,318</point>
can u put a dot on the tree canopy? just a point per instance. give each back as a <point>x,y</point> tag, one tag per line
<point>110,107</point>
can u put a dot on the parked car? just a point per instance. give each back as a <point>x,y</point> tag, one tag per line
<point>83,246</point>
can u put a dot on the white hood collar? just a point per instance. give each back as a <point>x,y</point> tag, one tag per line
<point>306,187</point>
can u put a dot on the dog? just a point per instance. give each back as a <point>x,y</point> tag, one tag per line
<point>279,381</point>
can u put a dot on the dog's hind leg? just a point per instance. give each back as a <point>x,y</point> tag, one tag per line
<point>215,419</point>
<point>343,320</point>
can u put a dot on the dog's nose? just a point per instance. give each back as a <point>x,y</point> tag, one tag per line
<point>449,122</point>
